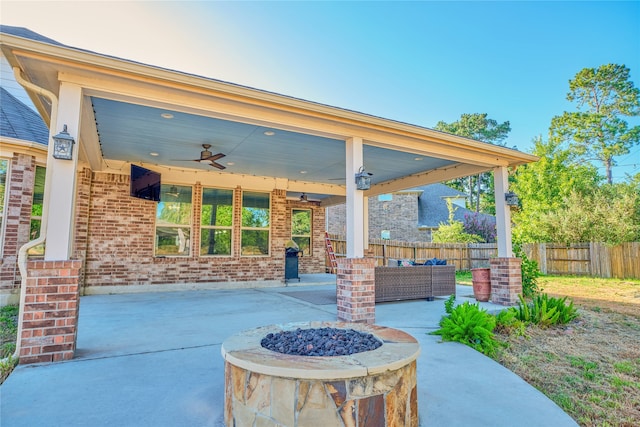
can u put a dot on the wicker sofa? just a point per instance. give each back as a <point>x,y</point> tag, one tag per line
<point>414,282</point>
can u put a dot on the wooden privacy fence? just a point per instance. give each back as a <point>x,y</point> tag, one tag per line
<point>463,256</point>
<point>587,259</point>
<point>580,259</point>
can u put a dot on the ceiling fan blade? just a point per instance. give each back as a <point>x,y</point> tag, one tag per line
<point>217,165</point>
<point>216,157</point>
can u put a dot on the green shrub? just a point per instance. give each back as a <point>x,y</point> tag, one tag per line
<point>530,272</point>
<point>508,323</point>
<point>9,319</point>
<point>469,324</point>
<point>6,366</point>
<point>449,303</point>
<point>8,330</point>
<point>545,311</point>
<point>7,349</point>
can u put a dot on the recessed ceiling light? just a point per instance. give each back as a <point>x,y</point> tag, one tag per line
<point>154,154</point>
<point>303,171</point>
<point>269,133</point>
<point>230,163</point>
<point>166,115</point>
<point>417,158</point>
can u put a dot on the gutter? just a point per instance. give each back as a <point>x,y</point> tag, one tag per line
<point>22,253</point>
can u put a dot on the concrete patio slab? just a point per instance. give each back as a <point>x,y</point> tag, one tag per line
<point>154,360</point>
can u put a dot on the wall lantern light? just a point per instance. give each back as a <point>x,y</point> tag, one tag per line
<point>363,179</point>
<point>511,198</point>
<point>63,145</point>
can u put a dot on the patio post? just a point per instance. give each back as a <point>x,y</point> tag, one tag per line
<point>355,290</point>
<point>503,212</point>
<point>355,200</point>
<point>50,317</point>
<point>61,176</point>
<point>506,272</point>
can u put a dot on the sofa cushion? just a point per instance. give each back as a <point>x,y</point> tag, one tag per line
<point>435,261</point>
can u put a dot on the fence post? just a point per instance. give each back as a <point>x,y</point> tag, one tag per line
<point>543,257</point>
<point>384,254</point>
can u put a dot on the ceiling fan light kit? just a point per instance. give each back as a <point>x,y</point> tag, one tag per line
<point>173,191</point>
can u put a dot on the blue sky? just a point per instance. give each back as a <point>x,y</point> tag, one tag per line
<point>416,62</point>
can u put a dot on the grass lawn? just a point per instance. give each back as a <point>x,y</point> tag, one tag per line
<point>590,367</point>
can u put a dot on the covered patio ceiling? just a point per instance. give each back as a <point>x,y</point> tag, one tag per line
<point>159,118</point>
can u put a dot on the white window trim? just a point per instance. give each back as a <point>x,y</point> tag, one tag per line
<point>242,228</point>
<point>189,227</point>
<point>216,227</point>
<point>310,235</point>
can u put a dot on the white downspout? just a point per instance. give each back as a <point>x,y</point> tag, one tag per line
<point>22,253</point>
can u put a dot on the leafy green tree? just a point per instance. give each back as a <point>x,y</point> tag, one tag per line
<point>544,186</point>
<point>611,214</point>
<point>481,128</point>
<point>598,132</point>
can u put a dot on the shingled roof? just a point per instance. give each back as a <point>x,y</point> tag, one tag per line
<point>27,34</point>
<point>19,121</point>
<point>433,210</point>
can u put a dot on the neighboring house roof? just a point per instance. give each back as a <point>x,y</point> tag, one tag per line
<point>19,121</point>
<point>433,210</point>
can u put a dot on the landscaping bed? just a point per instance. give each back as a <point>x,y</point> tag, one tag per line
<point>591,366</point>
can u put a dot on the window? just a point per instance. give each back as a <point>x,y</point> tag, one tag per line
<point>4,166</point>
<point>36,210</point>
<point>255,223</point>
<point>385,197</point>
<point>301,229</point>
<point>216,222</point>
<point>173,221</point>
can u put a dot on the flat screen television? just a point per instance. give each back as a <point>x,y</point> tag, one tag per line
<point>145,183</point>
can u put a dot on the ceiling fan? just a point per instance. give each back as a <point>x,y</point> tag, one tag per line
<point>207,156</point>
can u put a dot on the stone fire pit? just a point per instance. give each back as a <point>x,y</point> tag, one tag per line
<point>371,388</point>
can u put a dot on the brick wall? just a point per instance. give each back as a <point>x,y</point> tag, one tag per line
<point>81,224</point>
<point>121,231</point>
<point>399,216</point>
<point>22,172</point>
<point>114,235</point>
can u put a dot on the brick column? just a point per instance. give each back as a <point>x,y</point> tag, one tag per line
<point>50,317</point>
<point>506,280</point>
<point>355,290</point>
